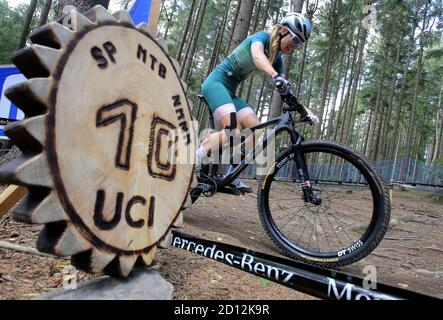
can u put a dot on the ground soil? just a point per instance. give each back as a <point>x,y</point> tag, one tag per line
<point>410,256</point>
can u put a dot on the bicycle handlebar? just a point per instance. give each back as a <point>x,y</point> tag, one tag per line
<point>293,104</point>
<point>290,100</point>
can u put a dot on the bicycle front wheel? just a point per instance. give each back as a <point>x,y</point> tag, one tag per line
<point>350,221</point>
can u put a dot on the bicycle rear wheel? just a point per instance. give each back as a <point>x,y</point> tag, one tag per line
<point>350,221</point>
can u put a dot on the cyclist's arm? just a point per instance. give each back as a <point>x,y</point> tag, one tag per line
<point>261,61</point>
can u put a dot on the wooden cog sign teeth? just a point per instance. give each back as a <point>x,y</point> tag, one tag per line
<point>107,144</point>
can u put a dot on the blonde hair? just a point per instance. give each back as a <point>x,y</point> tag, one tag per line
<point>274,42</point>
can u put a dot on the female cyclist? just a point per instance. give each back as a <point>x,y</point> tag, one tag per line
<point>260,52</point>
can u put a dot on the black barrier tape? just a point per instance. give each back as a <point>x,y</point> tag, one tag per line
<point>315,281</point>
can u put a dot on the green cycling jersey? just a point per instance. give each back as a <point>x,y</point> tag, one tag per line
<point>240,61</point>
<point>220,86</point>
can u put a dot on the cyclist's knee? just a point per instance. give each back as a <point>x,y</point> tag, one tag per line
<point>248,118</point>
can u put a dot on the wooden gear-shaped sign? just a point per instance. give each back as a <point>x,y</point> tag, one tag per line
<point>108,147</point>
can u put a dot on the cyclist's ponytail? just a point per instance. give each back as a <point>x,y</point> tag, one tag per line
<point>274,42</point>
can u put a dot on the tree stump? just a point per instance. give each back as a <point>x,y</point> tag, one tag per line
<point>108,147</point>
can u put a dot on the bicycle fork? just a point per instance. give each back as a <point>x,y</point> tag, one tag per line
<point>303,175</point>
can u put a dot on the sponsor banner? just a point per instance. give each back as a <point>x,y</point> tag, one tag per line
<point>9,76</point>
<point>315,281</point>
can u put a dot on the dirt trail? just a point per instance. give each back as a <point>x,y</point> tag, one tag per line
<point>410,256</point>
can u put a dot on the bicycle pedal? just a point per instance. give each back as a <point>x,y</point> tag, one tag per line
<point>206,189</point>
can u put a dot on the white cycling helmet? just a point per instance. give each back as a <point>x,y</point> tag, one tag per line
<point>298,24</point>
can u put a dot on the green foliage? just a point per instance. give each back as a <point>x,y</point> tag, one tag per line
<point>388,39</point>
<point>11,24</point>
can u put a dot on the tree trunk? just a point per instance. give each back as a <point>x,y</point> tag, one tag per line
<point>219,39</point>
<point>170,18</point>
<point>385,142</point>
<point>254,30</point>
<point>440,145</point>
<point>265,16</point>
<point>310,11</point>
<point>356,79</point>
<point>311,84</point>
<point>417,82</point>
<point>376,115</point>
<point>201,14</point>
<point>339,118</point>
<point>260,95</point>
<point>404,79</point>
<point>330,126</point>
<point>241,29</point>
<point>186,32</point>
<point>297,6</point>
<point>256,16</point>
<point>242,24</point>
<point>301,70</point>
<point>263,99</point>
<point>346,105</point>
<point>190,40</point>
<point>368,130</point>
<point>45,12</point>
<point>27,24</point>
<point>330,57</point>
<point>234,22</point>
<point>438,126</point>
<point>214,57</point>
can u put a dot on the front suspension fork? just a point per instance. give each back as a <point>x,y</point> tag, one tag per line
<point>303,175</point>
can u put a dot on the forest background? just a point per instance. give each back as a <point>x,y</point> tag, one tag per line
<point>372,70</point>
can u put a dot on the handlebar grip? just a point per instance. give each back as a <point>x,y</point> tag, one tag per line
<point>279,84</point>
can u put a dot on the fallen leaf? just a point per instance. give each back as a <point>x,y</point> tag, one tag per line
<point>7,277</point>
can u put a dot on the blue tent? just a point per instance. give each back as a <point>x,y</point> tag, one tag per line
<point>9,76</point>
<point>140,11</point>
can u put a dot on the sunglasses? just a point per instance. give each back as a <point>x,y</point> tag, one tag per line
<point>295,38</point>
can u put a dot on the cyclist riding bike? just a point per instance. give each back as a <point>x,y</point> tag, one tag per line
<point>260,52</point>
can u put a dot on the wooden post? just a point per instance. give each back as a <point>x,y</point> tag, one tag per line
<point>10,197</point>
<point>154,16</point>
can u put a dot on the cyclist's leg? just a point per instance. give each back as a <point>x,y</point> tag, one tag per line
<point>248,119</point>
<point>220,102</point>
<point>245,117</point>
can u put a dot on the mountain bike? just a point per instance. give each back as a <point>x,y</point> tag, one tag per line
<point>321,202</point>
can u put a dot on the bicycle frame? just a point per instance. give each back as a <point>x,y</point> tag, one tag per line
<point>282,123</point>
